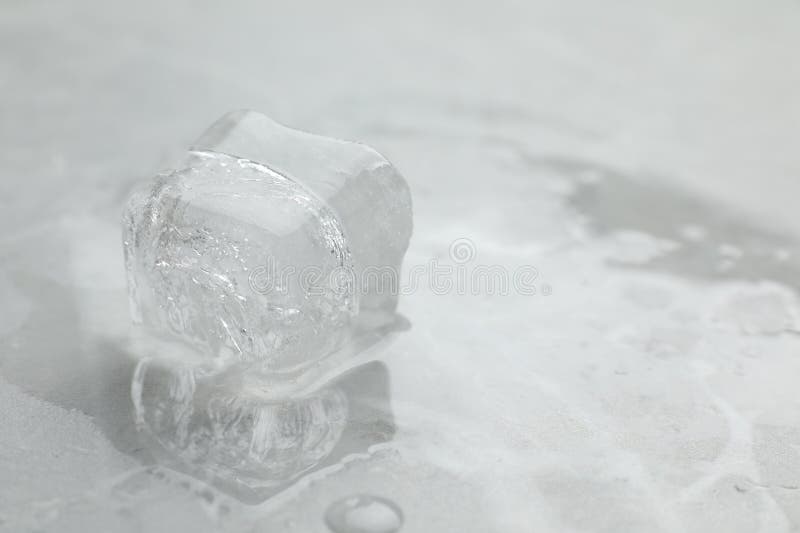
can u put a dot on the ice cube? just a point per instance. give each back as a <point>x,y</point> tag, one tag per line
<point>266,244</point>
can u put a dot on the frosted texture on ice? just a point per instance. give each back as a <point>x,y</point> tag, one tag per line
<point>216,250</point>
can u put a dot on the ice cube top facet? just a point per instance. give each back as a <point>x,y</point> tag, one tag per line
<point>266,243</point>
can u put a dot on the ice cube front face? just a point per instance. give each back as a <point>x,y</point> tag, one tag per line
<point>266,244</point>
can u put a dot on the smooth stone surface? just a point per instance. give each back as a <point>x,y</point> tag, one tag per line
<point>643,157</point>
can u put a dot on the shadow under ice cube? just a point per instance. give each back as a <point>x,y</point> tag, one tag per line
<point>266,245</point>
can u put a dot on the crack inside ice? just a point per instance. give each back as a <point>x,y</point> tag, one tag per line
<point>257,248</point>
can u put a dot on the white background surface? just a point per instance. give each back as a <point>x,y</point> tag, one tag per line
<point>643,157</point>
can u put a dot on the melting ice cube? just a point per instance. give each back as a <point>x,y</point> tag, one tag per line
<point>266,244</point>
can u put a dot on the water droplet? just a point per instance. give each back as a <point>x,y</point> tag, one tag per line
<point>364,513</point>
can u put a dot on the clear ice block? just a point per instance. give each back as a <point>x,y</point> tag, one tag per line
<point>266,245</point>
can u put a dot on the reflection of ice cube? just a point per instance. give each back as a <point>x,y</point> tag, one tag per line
<point>234,430</point>
<point>226,429</point>
<point>258,246</point>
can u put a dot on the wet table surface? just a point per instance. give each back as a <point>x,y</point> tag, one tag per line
<point>631,170</point>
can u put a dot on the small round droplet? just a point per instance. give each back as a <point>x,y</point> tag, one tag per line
<point>364,513</point>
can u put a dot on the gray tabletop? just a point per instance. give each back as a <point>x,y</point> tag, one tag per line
<point>638,162</point>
